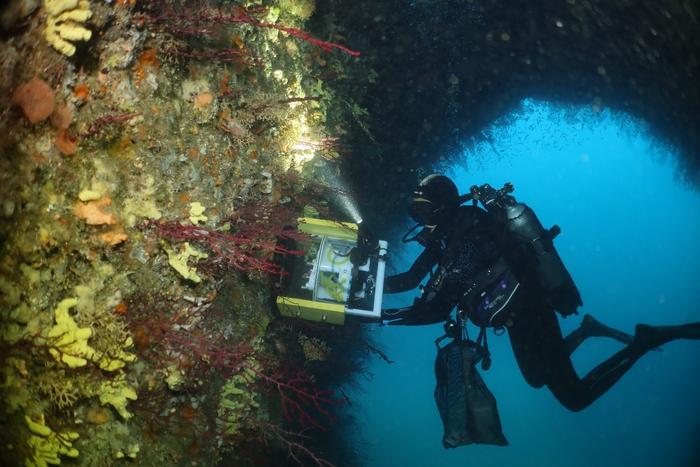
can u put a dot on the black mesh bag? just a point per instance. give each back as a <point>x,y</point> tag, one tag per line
<point>467,407</point>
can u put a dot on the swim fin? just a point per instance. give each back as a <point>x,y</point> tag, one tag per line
<point>653,336</point>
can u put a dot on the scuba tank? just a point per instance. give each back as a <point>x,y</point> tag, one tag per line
<point>526,231</point>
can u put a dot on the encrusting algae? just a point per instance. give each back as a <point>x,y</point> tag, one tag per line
<point>95,212</point>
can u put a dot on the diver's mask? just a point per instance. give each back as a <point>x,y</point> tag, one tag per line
<point>435,197</point>
<point>424,211</point>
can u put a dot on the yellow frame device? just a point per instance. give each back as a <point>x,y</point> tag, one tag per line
<point>324,284</point>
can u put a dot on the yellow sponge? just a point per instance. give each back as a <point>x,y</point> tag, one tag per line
<point>178,260</point>
<point>46,446</point>
<point>118,361</point>
<point>117,393</point>
<point>67,342</point>
<point>63,23</point>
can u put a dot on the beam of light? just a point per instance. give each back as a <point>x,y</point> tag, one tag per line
<point>304,150</point>
<point>303,153</point>
<point>340,197</point>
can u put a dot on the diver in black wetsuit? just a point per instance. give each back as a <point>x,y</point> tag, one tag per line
<point>498,266</point>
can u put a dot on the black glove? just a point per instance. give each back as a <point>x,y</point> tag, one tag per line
<point>415,315</point>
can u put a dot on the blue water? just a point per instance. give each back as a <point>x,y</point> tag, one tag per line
<point>630,238</point>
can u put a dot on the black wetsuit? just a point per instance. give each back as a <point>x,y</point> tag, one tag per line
<point>467,242</point>
<point>462,247</point>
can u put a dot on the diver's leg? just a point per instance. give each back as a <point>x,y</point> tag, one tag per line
<point>540,327</point>
<point>591,327</point>
<point>575,393</point>
<point>525,330</point>
<point>544,357</point>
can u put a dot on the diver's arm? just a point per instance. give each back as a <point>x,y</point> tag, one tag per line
<point>434,305</point>
<point>422,312</point>
<point>410,279</point>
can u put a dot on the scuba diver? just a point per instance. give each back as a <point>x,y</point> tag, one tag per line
<point>498,266</point>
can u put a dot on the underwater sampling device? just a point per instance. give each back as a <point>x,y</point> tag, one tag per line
<point>338,276</point>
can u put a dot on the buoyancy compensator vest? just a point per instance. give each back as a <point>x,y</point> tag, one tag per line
<point>472,269</point>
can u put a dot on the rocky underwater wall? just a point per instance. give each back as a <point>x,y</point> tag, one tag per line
<point>152,153</point>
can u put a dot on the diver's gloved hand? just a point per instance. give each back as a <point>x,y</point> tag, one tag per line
<point>366,245</point>
<point>410,316</point>
<point>393,315</point>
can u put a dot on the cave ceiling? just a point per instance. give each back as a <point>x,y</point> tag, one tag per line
<point>445,70</point>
